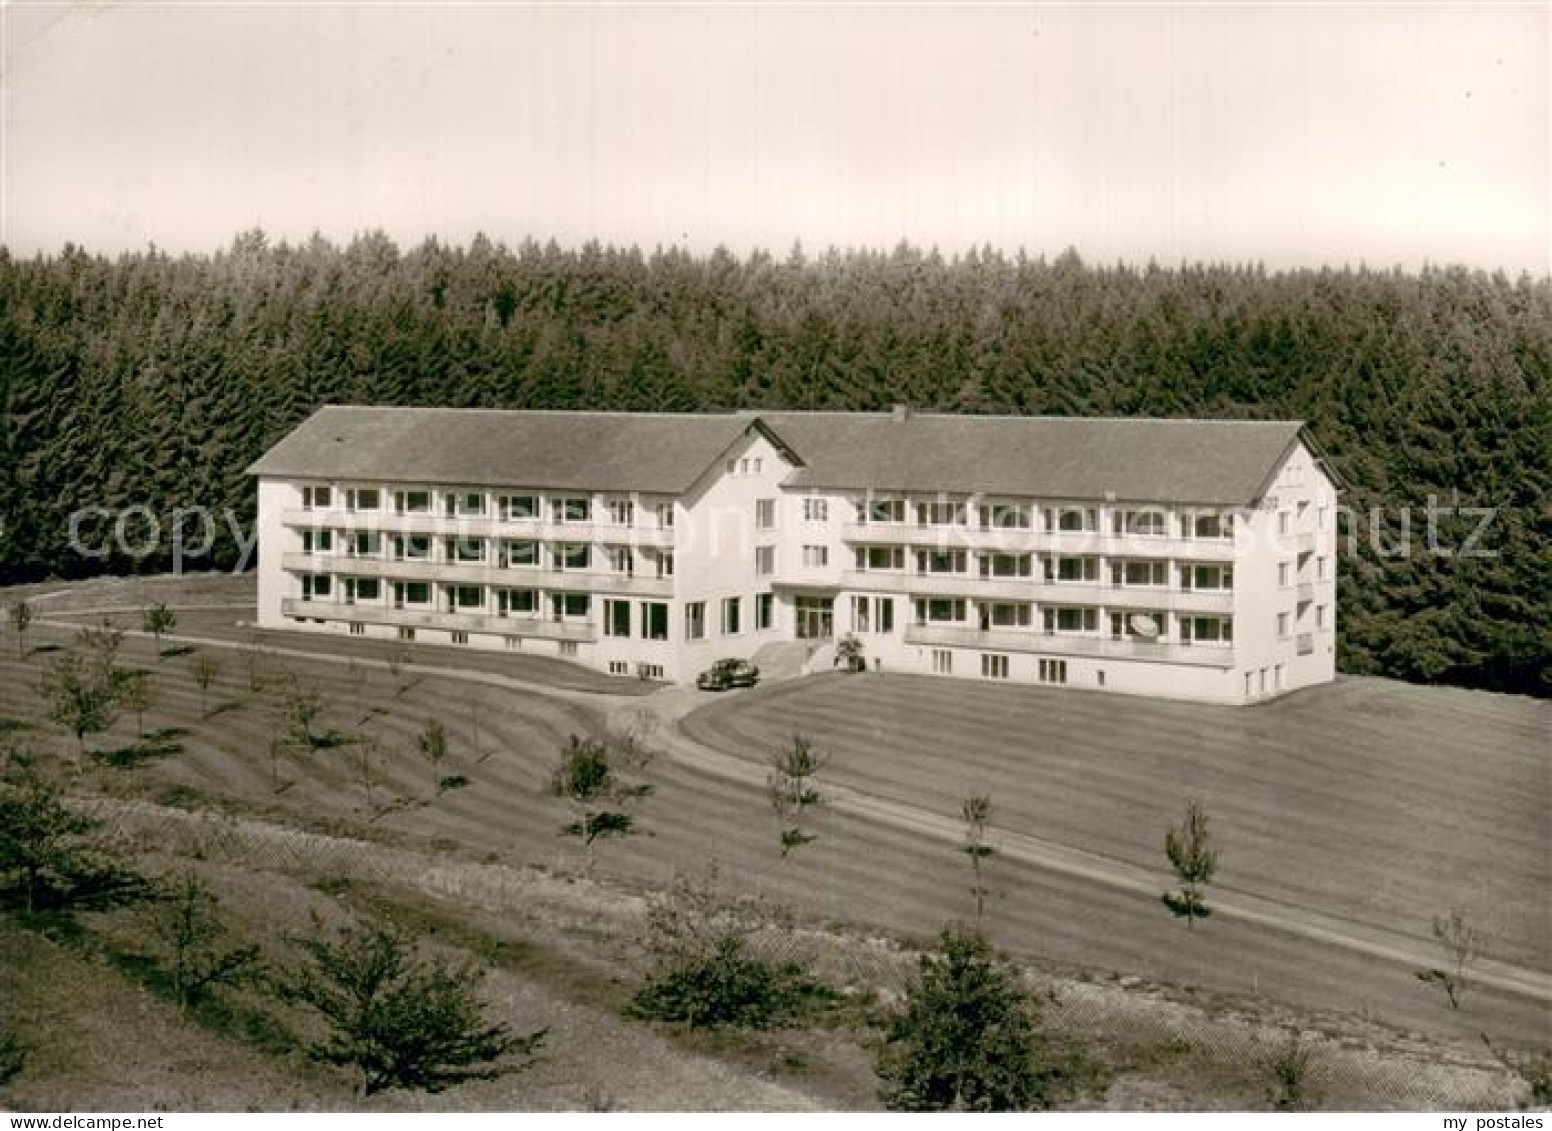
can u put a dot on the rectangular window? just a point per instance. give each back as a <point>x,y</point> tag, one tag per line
<point>1005,565</point>
<point>572,555</point>
<point>1284,574</point>
<point>764,611</point>
<point>942,661</point>
<point>460,637</point>
<point>880,557</point>
<point>860,620</point>
<point>1007,615</point>
<point>884,510</point>
<point>665,515</point>
<point>1284,524</point>
<point>816,510</point>
<point>519,508</point>
<point>617,618</point>
<point>940,513</point>
<point>941,561</point>
<point>411,547</point>
<point>1074,520</point>
<point>407,593</point>
<point>571,510</point>
<point>1320,616</point>
<point>695,620</point>
<point>357,629</point>
<point>1053,671</point>
<point>317,541</point>
<point>730,616</point>
<point>622,512</point>
<point>1322,565</point>
<point>406,633</point>
<point>516,602</point>
<point>316,586</point>
<point>1282,625</point>
<point>568,648</point>
<point>994,667</point>
<point>619,667</point>
<point>1250,684</point>
<point>570,606</point>
<point>816,557</point>
<point>654,620</point>
<point>518,555</point>
<point>765,514</point>
<point>1141,523</point>
<point>1277,678</point>
<point>469,504</point>
<point>1072,570</point>
<point>1206,630</point>
<point>1209,526</point>
<point>1146,574</point>
<point>366,543</point>
<point>412,502</point>
<point>651,671</point>
<point>465,597</point>
<point>883,615</point>
<point>1210,577</point>
<point>1147,627</point>
<point>316,498</point>
<point>1067,619</point>
<point>665,563</point>
<point>465,550</point>
<point>764,561</point>
<point>1004,516</point>
<point>363,499</point>
<point>622,560</point>
<point>1262,681</point>
<point>950,610</point>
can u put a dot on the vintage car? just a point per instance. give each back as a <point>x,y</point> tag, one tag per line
<point>728,673</point>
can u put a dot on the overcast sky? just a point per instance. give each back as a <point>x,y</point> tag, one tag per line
<point>1291,134</point>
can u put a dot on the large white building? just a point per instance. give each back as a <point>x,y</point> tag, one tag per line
<point>1181,558</point>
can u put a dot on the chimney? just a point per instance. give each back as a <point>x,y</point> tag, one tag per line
<point>901,413</point>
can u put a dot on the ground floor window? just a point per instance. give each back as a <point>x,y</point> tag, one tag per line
<point>316,586</point>
<point>406,634</point>
<point>649,671</point>
<point>695,620</point>
<point>764,611</point>
<point>568,647</point>
<point>460,637</point>
<point>731,615</point>
<point>362,589</point>
<point>994,667</point>
<point>619,667</point>
<point>617,618</point>
<point>654,620</point>
<point>357,629</point>
<point>514,643</point>
<point>942,661</point>
<point>1053,671</point>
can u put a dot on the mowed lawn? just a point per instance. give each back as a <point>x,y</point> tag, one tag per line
<point>1374,800</point>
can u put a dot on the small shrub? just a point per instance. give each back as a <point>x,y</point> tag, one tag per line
<point>1288,1076</point>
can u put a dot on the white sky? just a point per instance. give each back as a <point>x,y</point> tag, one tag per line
<point>1292,134</point>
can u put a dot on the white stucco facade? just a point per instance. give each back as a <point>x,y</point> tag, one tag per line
<point>1182,600</point>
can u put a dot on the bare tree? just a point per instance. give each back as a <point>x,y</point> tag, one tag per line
<point>977,812</point>
<point>793,791</point>
<point>1462,945</point>
<point>206,669</point>
<point>20,615</point>
<point>1191,854</point>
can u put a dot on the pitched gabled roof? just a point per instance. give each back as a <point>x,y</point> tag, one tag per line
<point>1212,462</point>
<point>600,451</point>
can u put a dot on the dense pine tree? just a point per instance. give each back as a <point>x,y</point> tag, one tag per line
<point>154,380</point>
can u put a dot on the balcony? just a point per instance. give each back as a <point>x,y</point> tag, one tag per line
<point>1306,592</point>
<point>1033,640</point>
<point>476,573</point>
<point>1304,643</point>
<point>430,618</point>
<point>1012,540</point>
<point>1305,542</point>
<point>976,587</point>
<point>481,526</point>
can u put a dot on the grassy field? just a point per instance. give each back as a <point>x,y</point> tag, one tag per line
<point>1058,765</point>
<point>1376,801</point>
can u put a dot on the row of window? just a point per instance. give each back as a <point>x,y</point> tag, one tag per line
<point>1285,622</point>
<point>1285,572</point>
<point>476,504</point>
<point>995,666</point>
<point>508,553</point>
<point>1023,516</point>
<point>731,610</point>
<point>1074,620</point>
<point>1055,568</point>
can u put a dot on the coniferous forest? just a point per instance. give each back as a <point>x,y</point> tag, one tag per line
<point>155,380</point>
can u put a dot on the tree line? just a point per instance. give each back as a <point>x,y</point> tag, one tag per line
<point>153,379</point>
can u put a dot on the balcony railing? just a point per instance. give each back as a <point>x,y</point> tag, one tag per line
<point>1057,644</point>
<point>371,613</point>
<point>481,526</point>
<point>1014,540</point>
<point>973,586</point>
<point>475,573</point>
<point>1306,592</point>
